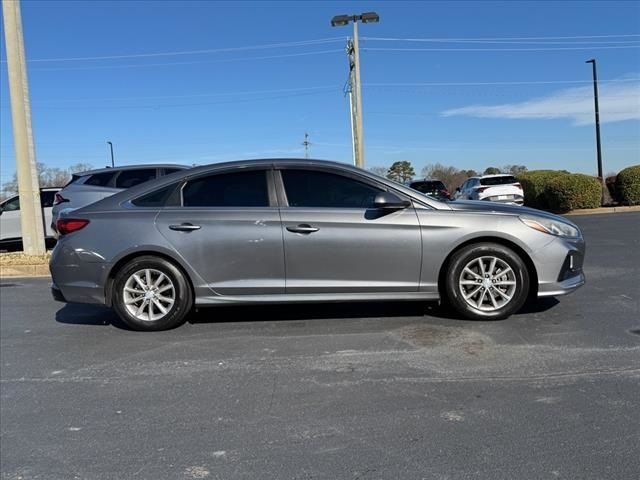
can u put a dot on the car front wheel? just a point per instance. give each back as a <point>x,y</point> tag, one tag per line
<point>151,294</point>
<point>487,281</point>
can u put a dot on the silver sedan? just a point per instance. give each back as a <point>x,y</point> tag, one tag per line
<point>282,231</point>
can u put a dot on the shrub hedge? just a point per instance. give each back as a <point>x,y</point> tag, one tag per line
<point>534,183</point>
<point>628,185</point>
<point>571,191</point>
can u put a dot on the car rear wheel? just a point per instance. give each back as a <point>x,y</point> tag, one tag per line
<point>151,294</point>
<point>487,281</point>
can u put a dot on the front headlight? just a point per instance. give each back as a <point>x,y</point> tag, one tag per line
<point>552,227</point>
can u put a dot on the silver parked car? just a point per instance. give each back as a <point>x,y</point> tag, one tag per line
<point>93,185</point>
<point>10,218</point>
<point>265,231</point>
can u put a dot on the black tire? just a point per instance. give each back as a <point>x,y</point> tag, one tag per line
<point>463,257</point>
<point>183,296</point>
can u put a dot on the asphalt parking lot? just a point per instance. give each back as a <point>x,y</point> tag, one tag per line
<point>366,391</point>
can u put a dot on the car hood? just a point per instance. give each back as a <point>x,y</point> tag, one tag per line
<point>502,208</point>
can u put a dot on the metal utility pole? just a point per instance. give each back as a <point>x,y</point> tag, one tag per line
<point>597,110</point>
<point>355,89</point>
<point>111,147</point>
<point>28,186</point>
<point>306,144</point>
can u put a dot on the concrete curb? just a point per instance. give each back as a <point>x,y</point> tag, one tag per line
<point>597,211</point>
<point>40,270</point>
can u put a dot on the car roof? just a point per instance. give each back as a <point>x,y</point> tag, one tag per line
<point>131,167</point>
<point>133,192</point>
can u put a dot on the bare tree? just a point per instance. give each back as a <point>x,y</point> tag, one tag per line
<point>47,177</point>
<point>381,171</point>
<point>450,176</point>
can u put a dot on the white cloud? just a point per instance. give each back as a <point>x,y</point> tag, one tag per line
<point>618,102</point>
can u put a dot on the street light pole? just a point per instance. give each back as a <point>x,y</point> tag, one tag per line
<point>111,147</point>
<point>597,111</point>
<point>26,168</point>
<point>355,88</point>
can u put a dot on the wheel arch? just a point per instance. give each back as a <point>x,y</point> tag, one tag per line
<point>531,268</point>
<point>141,253</point>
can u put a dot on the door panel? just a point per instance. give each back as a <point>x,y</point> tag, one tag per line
<point>229,231</point>
<point>10,225</point>
<point>353,250</point>
<point>236,251</point>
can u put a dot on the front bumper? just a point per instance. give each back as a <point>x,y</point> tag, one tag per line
<point>564,287</point>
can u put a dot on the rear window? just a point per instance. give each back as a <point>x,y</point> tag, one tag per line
<point>428,187</point>
<point>506,180</point>
<point>74,179</point>
<point>46,198</point>
<point>131,178</point>
<point>100,179</point>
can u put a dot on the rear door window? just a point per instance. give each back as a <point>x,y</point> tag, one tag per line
<point>237,189</point>
<point>131,178</point>
<point>100,179</point>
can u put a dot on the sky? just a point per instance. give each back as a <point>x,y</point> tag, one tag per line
<point>469,84</point>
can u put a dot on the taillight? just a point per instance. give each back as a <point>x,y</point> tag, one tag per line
<point>444,191</point>
<point>481,189</point>
<point>517,185</point>
<point>58,199</point>
<point>65,226</point>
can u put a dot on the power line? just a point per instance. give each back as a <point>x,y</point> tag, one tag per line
<point>469,84</point>
<point>196,62</point>
<point>157,106</point>
<point>596,47</point>
<point>199,95</point>
<point>508,42</point>
<point>194,52</point>
<point>441,39</point>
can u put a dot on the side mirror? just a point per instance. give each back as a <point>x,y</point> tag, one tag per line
<point>388,200</point>
<point>458,189</point>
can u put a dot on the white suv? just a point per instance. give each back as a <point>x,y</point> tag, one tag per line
<point>494,188</point>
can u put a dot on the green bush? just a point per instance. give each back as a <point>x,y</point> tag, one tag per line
<point>573,191</point>
<point>628,185</point>
<point>534,182</point>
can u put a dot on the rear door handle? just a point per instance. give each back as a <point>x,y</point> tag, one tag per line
<point>184,227</point>
<point>303,228</point>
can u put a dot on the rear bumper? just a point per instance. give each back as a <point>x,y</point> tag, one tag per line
<point>56,293</point>
<point>76,280</point>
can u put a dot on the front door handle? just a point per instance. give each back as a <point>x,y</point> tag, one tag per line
<point>184,227</point>
<point>303,228</point>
